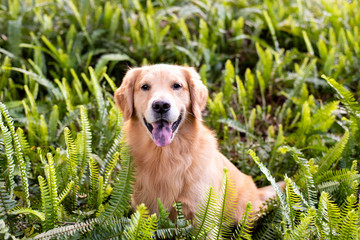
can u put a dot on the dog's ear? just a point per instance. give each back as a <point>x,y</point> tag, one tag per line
<point>124,95</point>
<point>198,91</point>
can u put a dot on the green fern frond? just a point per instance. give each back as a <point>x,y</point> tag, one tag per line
<point>205,215</point>
<point>120,196</point>
<point>51,179</point>
<point>323,118</point>
<point>72,152</point>
<point>115,147</point>
<point>97,92</point>
<point>19,154</point>
<point>47,205</point>
<point>94,180</point>
<point>18,210</point>
<point>67,231</point>
<point>306,181</point>
<point>6,205</point>
<point>271,179</point>
<point>328,215</point>
<point>141,226</point>
<point>109,169</point>
<point>66,191</point>
<point>244,228</point>
<point>350,225</point>
<point>44,134</point>
<point>304,228</point>
<point>346,97</point>
<point>333,155</point>
<point>9,152</point>
<point>23,141</point>
<point>227,207</point>
<point>163,214</point>
<point>86,141</point>
<point>294,202</point>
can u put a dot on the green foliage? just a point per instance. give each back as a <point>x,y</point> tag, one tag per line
<point>270,67</point>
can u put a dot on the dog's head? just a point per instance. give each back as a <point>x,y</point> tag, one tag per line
<point>161,97</point>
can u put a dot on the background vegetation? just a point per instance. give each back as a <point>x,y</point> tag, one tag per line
<point>283,78</point>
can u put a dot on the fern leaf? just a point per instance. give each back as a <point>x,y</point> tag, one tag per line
<point>17,210</point>
<point>332,155</point>
<point>306,179</point>
<point>346,97</point>
<point>109,169</point>
<point>23,141</point>
<point>293,201</point>
<point>6,205</point>
<point>9,152</point>
<point>303,229</point>
<point>244,228</point>
<point>329,214</point>
<point>51,179</point>
<point>19,154</point>
<point>68,231</point>
<point>98,95</point>
<point>94,180</point>
<point>66,191</point>
<point>115,147</point>
<point>227,206</point>
<point>349,226</point>
<point>205,216</point>
<point>271,179</point>
<point>120,196</point>
<point>141,226</point>
<point>86,140</point>
<point>47,205</point>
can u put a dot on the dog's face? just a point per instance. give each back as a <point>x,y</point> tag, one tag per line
<point>161,97</point>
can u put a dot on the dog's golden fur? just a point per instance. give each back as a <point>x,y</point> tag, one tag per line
<point>184,169</point>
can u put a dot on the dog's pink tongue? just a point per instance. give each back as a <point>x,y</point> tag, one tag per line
<point>161,133</point>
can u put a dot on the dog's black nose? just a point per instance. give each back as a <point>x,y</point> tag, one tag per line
<point>161,106</point>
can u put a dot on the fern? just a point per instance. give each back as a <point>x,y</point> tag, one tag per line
<point>67,231</point>
<point>115,147</point>
<point>109,169</point>
<point>18,210</point>
<point>98,96</point>
<point>328,214</point>
<point>227,207</point>
<point>205,216</point>
<point>94,181</point>
<point>6,205</point>
<point>285,212</point>
<point>303,229</point>
<point>244,227</point>
<point>332,155</point>
<point>66,191</point>
<point>85,141</point>
<point>141,226</point>
<point>346,97</point>
<point>51,180</point>
<point>47,205</point>
<point>19,154</point>
<point>9,151</point>
<point>123,188</point>
<point>293,202</point>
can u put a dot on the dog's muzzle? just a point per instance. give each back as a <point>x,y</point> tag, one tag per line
<point>162,131</point>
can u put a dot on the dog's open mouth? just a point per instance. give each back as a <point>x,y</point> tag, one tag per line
<point>162,131</point>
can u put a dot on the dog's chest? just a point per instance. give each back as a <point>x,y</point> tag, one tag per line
<point>164,179</point>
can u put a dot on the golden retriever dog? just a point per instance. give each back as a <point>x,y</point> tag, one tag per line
<point>176,156</point>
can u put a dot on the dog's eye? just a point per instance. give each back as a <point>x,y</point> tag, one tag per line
<point>145,87</point>
<point>176,86</point>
